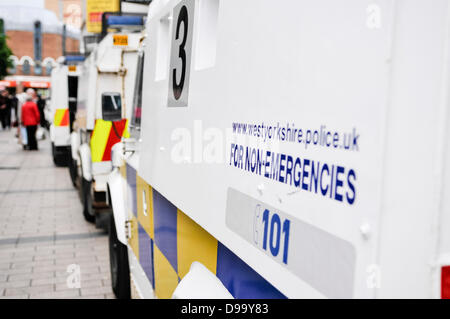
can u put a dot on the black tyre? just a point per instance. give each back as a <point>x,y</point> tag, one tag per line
<point>73,170</point>
<point>118,259</point>
<point>86,200</point>
<point>59,158</point>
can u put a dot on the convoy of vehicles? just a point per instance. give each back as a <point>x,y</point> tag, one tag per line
<point>107,79</point>
<point>270,160</point>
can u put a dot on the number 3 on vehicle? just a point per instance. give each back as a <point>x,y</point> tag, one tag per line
<point>180,57</point>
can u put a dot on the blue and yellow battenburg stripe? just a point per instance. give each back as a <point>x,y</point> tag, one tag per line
<point>166,242</point>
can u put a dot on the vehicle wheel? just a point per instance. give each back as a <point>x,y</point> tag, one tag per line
<point>59,159</point>
<point>86,199</point>
<point>73,170</point>
<point>118,259</point>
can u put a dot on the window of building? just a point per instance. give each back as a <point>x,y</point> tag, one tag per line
<point>26,68</point>
<point>48,68</point>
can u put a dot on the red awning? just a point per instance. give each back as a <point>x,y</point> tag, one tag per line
<point>36,84</point>
<point>9,84</point>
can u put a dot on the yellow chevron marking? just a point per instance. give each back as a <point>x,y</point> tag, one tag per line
<point>99,139</point>
<point>59,114</point>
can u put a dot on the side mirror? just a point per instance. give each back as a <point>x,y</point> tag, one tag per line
<point>111,106</point>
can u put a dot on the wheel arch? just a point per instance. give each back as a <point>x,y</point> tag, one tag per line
<point>115,189</point>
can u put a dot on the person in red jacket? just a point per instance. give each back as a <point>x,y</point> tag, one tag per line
<point>31,120</point>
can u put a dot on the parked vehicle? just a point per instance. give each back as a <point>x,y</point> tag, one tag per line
<point>63,105</point>
<point>286,150</point>
<point>108,80</point>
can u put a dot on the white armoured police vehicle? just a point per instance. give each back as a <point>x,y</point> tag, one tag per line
<point>287,149</point>
<point>63,105</point>
<point>107,80</point>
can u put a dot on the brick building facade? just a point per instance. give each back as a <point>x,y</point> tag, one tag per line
<point>35,36</point>
<point>22,45</point>
<point>51,44</point>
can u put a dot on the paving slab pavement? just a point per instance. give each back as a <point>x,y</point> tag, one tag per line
<point>44,240</point>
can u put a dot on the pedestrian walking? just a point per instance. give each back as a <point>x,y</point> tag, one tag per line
<point>14,110</point>
<point>30,119</point>
<point>8,101</point>
<point>41,106</point>
<point>21,130</point>
<point>5,108</point>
